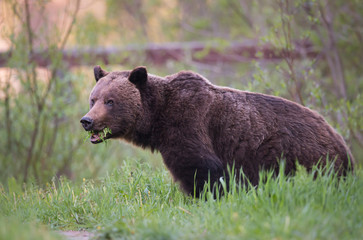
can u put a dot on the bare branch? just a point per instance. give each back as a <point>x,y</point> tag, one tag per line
<point>28,26</point>
<point>69,29</point>
<point>333,57</point>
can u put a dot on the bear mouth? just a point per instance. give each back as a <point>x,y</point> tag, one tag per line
<point>95,137</point>
<point>99,136</point>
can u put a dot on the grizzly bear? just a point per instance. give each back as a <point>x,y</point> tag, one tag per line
<point>200,129</point>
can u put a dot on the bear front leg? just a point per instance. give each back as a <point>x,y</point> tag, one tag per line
<point>193,168</point>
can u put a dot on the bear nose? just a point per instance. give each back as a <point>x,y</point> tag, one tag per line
<point>87,123</point>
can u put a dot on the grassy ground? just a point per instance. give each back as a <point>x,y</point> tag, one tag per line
<point>12,228</point>
<point>138,202</point>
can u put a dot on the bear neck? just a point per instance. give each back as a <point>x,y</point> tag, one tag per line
<point>147,124</point>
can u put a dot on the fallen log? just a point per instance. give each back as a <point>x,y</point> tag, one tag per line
<point>158,54</point>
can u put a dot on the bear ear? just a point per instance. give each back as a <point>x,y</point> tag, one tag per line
<point>138,76</point>
<point>99,72</point>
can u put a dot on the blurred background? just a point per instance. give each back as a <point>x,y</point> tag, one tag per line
<point>307,51</point>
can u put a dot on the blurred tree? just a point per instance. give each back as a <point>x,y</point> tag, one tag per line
<point>35,113</point>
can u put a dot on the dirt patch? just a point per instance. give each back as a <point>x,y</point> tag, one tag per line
<point>77,235</point>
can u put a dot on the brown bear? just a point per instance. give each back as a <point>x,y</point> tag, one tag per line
<point>200,129</point>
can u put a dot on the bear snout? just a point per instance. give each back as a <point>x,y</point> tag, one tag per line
<point>87,123</point>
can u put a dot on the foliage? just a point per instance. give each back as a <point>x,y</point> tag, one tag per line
<point>34,126</point>
<point>40,106</point>
<point>137,202</point>
<point>329,82</point>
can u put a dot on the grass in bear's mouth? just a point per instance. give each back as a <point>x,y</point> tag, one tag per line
<point>98,136</point>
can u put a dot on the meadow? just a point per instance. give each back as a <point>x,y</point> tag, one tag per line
<point>52,180</point>
<point>138,201</point>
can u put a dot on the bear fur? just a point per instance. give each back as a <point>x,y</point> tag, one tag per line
<point>200,129</point>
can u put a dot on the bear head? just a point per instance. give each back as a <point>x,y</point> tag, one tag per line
<point>115,104</point>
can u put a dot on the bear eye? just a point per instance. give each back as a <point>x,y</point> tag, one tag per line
<point>109,102</point>
<point>92,102</point>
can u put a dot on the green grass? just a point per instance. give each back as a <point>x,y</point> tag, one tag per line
<point>138,202</point>
<point>12,228</point>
